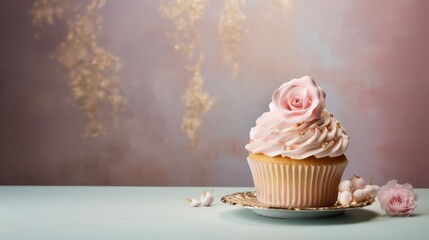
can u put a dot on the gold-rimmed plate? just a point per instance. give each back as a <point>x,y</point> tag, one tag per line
<point>249,200</point>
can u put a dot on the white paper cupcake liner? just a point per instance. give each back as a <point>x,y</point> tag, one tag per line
<point>295,184</point>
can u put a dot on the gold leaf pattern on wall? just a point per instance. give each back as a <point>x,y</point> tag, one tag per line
<point>197,103</point>
<point>231,31</point>
<point>45,11</point>
<point>93,71</point>
<point>184,14</point>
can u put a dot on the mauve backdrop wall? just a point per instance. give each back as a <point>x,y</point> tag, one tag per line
<point>371,57</point>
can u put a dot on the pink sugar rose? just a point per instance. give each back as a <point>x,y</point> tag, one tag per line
<point>397,199</point>
<point>299,100</point>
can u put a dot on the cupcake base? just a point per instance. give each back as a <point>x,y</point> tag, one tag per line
<point>285,182</point>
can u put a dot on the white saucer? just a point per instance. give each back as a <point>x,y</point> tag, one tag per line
<point>249,200</point>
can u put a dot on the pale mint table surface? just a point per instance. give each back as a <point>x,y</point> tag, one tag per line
<point>142,213</point>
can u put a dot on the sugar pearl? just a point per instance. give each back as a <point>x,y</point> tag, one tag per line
<point>345,185</point>
<point>345,198</point>
<point>359,195</point>
<point>358,182</point>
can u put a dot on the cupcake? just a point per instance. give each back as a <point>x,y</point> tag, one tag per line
<point>296,149</point>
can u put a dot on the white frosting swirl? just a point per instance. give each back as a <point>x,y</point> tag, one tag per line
<point>273,136</point>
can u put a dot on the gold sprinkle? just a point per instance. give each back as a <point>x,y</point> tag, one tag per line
<point>286,148</point>
<point>299,124</point>
<point>329,127</point>
<point>301,133</point>
<point>338,125</point>
<point>325,144</point>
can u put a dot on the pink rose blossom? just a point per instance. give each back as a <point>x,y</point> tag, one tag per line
<point>299,100</point>
<point>397,199</point>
